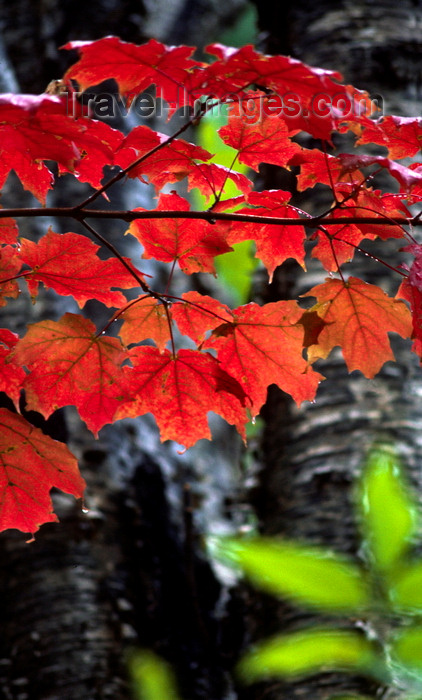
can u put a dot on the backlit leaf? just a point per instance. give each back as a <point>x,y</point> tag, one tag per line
<point>263,346</point>
<point>36,128</point>
<point>309,576</point>
<point>388,511</point>
<point>193,244</point>
<point>358,317</point>
<point>70,365</point>
<point>407,647</point>
<point>31,464</point>
<point>145,318</point>
<point>406,589</point>
<point>152,678</point>
<point>180,390</point>
<point>68,263</point>
<point>308,652</point>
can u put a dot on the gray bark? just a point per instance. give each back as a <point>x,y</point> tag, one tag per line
<point>312,455</point>
<point>130,571</point>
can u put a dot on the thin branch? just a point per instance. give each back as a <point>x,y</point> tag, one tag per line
<point>128,216</point>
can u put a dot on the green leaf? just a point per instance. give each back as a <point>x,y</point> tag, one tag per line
<point>406,657</point>
<point>351,697</point>
<point>307,652</point>
<point>388,511</point>
<point>406,591</point>
<point>309,576</point>
<point>152,678</point>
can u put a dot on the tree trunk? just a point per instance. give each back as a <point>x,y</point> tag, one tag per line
<point>130,571</point>
<point>312,455</point>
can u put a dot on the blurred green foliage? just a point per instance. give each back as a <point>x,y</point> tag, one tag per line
<point>151,677</point>
<point>382,590</point>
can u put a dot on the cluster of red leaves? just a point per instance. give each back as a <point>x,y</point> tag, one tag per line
<point>238,352</point>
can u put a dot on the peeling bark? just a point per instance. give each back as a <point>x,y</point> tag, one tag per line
<point>313,454</point>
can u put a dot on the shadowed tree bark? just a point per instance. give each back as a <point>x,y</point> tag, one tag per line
<point>129,572</point>
<point>312,455</point>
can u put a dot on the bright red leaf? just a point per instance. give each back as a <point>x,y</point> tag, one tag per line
<point>145,318</point>
<point>10,266</point>
<point>31,464</point>
<point>198,314</point>
<point>135,68</point>
<point>180,391</point>
<point>8,231</point>
<point>169,164</point>
<point>11,373</point>
<point>274,243</point>
<point>413,294</point>
<point>193,244</point>
<point>68,263</point>
<point>71,366</point>
<point>358,317</point>
<point>35,128</point>
<point>263,345</point>
<point>402,136</point>
<point>266,141</point>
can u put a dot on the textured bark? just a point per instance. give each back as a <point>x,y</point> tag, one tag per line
<point>129,572</point>
<point>312,454</point>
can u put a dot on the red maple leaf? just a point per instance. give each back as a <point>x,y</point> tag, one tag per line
<point>35,128</point>
<point>274,243</point>
<point>10,266</point>
<point>8,231</point>
<point>198,314</point>
<point>135,68</point>
<point>263,346</point>
<point>304,97</point>
<point>358,317</point>
<point>193,244</point>
<point>11,374</point>
<point>402,136</point>
<point>145,317</point>
<point>169,164</point>
<point>31,464</point>
<point>266,141</point>
<point>67,262</point>
<point>413,294</point>
<point>180,390</point>
<point>71,366</point>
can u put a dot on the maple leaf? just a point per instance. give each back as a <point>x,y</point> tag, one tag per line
<point>145,317</point>
<point>198,314</point>
<point>263,346</point>
<point>10,266</point>
<point>193,244</point>
<point>180,390</point>
<point>70,365</point>
<point>11,374</point>
<point>298,88</point>
<point>402,136</point>
<point>67,262</point>
<point>211,179</point>
<point>413,294</point>
<point>318,168</point>
<point>336,244</point>
<point>8,230</point>
<point>358,317</point>
<point>135,68</point>
<point>266,141</point>
<point>34,128</point>
<point>274,243</point>
<point>31,464</point>
<point>169,164</point>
